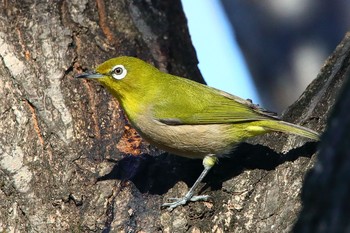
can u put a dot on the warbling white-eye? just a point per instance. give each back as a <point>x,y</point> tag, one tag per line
<point>184,117</point>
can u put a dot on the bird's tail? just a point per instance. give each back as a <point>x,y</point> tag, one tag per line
<point>289,128</point>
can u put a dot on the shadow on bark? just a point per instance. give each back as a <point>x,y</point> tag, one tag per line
<point>157,174</point>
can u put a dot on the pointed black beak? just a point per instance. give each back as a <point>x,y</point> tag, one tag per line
<point>86,75</point>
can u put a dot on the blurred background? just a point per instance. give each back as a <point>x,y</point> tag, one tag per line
<point>267,51</point>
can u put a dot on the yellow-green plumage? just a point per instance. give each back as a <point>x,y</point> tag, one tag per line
<point>184,117</point>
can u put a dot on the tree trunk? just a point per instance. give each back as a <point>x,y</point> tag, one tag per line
<point>69,161</point>
<point>326,192</point>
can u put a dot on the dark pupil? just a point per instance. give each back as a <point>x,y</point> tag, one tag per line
<point>118,70</point>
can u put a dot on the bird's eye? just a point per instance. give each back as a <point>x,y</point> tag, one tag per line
<point>119,72</point>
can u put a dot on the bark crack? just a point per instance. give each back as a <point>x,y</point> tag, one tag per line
<point>35,121</point>
<point>94,116</point>
<point>103,20</point>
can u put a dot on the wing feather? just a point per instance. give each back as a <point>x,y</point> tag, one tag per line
<point>206,105</point>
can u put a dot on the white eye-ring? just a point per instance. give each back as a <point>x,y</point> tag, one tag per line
<point>119,72</point>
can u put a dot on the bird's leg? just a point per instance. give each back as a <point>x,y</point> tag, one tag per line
<point>208,162</point>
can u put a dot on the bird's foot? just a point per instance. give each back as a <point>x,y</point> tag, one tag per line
<point>182,201</point>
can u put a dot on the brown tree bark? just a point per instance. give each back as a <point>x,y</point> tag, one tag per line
<point>69,161</point>
<point>326,191</point>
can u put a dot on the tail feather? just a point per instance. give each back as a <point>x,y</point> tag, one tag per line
<point>286,127</point>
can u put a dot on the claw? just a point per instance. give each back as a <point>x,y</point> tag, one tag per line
<point>182,201</point>
<point>200,198</point>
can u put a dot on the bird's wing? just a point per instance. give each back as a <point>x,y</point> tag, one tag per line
<point>206,106</point>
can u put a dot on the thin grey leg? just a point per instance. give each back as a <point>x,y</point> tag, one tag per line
<point>208,162</point>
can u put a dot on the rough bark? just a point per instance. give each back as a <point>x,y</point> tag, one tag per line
<point>327,191</point>
<point>69,161</point>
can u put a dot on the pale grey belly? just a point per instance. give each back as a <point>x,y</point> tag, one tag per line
<point>193,141</point>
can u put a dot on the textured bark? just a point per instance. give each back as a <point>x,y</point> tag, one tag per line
<point>327,190</point>
<point>69,161</point>
<point>57,133</point>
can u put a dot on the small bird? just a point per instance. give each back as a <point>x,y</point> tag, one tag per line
<point>184,117</point>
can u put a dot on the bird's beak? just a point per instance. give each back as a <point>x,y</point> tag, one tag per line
<point>92,75</point>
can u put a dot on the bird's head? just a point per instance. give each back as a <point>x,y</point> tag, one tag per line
<point>124,76</point>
